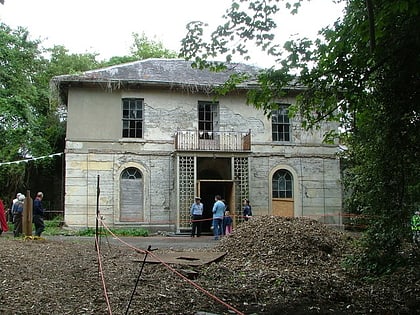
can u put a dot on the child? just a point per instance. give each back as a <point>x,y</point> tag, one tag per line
<point>227,223</point>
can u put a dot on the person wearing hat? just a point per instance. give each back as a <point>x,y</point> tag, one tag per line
<point>11,207</point>
<point>196,212</point>
<point>17,211</point>
<point>415,227</point>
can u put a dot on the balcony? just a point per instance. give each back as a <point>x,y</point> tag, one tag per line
<point>224,141</point>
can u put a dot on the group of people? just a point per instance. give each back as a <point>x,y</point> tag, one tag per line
<point>222,221</point>
<point>17,211</point>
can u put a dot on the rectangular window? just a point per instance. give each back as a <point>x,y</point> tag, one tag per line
<point>132,117</point>
<point>280,123</point>
<point>207,116</point>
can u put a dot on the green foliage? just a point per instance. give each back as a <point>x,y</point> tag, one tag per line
<point>57,221</point>
<point>86,232</point>
<point>362,73</point>
<point>245,22</point>
<point>54,226</point>
<point>372,256</point>
<point>130,232</point>
<point>144,48</point>
<point>119,232</point>
<point>61,62</point>
<point>20,63</point>
<point>32,120</point>
<point>31,125</point>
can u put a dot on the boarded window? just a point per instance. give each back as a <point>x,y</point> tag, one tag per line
<point>131,195</point>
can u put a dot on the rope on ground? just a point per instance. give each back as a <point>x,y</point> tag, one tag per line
<point>175,272</point>
<point>101,273</point>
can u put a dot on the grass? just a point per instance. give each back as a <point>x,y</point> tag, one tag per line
<point>55,227</point>
<point>119,232</point>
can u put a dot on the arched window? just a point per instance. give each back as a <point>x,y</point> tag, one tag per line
<point>131,173</point>
<point>282,184</point>
<point>131,195</point>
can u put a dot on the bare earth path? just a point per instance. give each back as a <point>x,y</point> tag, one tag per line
<point>272,266</point>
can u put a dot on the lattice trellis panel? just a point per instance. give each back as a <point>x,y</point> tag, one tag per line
<point>241,176</point>
<point>186,189</point>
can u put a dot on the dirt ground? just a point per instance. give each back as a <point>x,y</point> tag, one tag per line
<point>272,266</point>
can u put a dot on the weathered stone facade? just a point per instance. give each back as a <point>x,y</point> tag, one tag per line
<point>150,180</point>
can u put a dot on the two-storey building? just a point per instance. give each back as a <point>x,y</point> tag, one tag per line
<point>153,135</point>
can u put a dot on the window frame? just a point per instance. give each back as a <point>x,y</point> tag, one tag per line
<point>282,191</point>
<point>131,173</point>
<point>281,124</point>
<point>132,117</point>
<point>206,118</point>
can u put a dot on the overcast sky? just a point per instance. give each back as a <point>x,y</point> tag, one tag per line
<point>105,26</point>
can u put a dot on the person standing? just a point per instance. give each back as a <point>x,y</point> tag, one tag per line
<point>415,227</point>
<point>17,212</point>
<point>218,211</point>
<point>3,221</point>
<point>196,212</point>
<point>38,214</point>
<point>227,223</point>
<point>247,210</point>
<point>10,214</point>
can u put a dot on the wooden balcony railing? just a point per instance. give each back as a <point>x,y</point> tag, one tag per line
<point>227,141</point>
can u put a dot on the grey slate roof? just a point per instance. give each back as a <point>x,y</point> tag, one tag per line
<point>161,72</point>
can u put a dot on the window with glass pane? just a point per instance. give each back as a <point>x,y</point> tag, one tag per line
<point>206,116</point>
<point>282,184</point>
<point>131,173</point>
<point>132,117</point>
<point>280,123</point>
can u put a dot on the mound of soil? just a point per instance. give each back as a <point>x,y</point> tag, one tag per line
<point>272,265</point>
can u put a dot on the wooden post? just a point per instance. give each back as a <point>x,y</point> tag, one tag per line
<point>27,215</point>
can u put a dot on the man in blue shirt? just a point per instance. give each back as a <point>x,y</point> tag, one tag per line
<point>218,211</point>
<point>196,212</point>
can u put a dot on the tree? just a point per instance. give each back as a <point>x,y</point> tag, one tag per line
<point>363,73</point>
<point>30,125</point>
<point>20,63</point>
<point>142,48</point>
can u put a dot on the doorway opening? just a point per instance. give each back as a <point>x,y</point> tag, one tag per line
<point>208,189</point>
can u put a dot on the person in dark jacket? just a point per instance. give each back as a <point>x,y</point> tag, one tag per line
<point>247,210</point>
<point>38,214</point>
